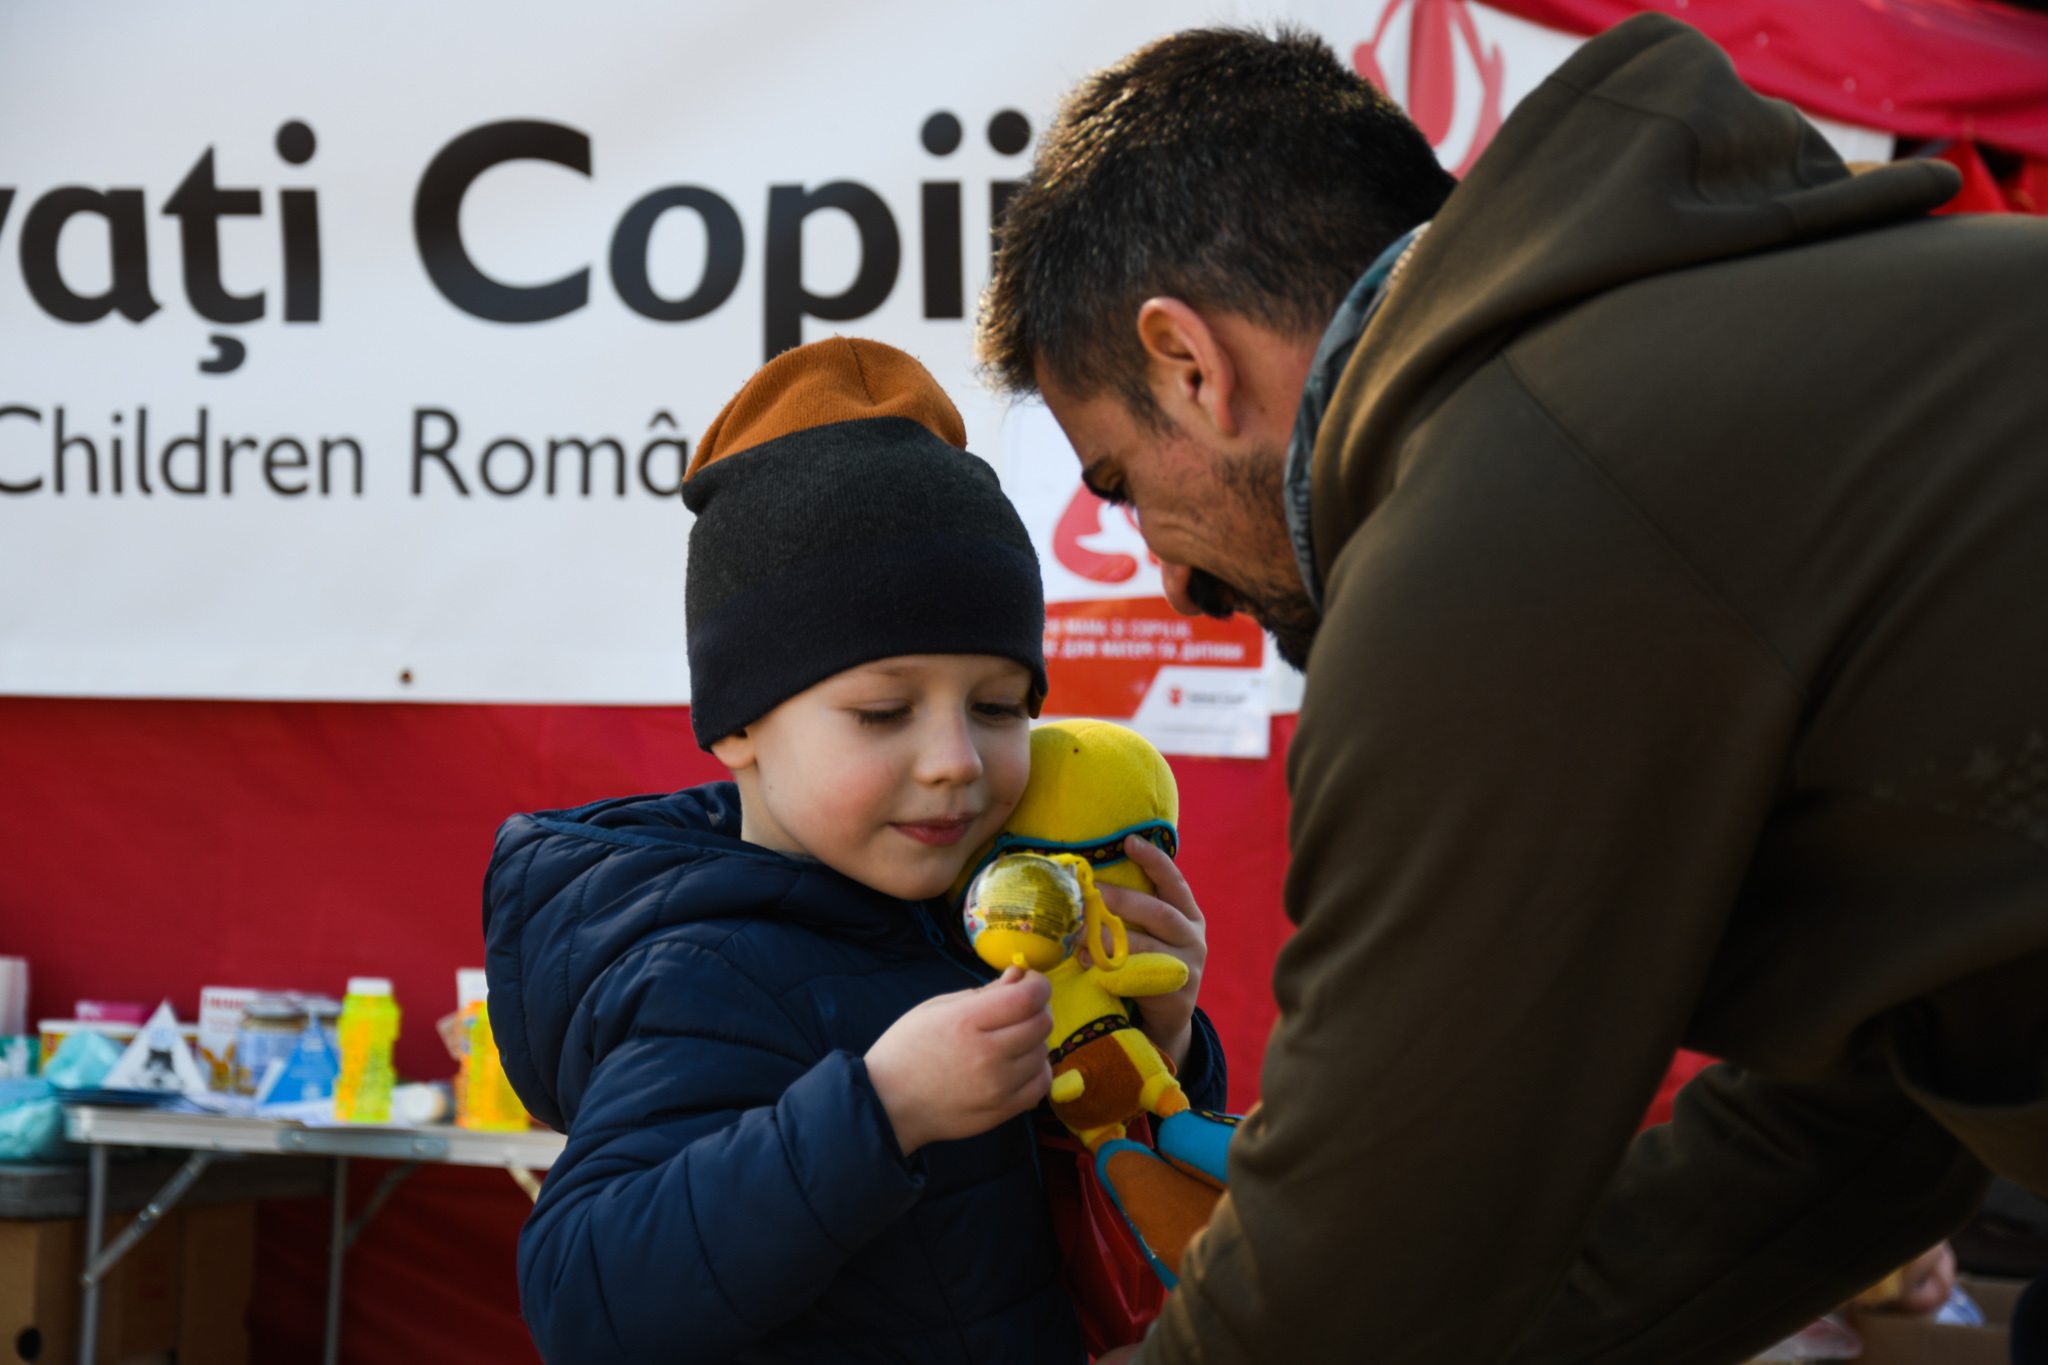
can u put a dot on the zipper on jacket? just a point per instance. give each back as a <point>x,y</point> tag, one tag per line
<point>938,941</point>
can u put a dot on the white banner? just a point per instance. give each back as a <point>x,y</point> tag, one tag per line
<point>353,353</point>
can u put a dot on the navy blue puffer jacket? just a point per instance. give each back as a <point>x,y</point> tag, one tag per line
<point>692,1010</point>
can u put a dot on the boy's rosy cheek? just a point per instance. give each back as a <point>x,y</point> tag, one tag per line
<point>864,788</point>
<point>1009,769</point>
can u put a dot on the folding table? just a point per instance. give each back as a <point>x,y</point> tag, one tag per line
<point>207,1135</point>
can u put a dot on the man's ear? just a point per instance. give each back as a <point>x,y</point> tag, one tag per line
<point>1192,374</point>
<point>735,751</point>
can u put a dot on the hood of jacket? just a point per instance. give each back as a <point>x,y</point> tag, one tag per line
<point>571,893</point>
<point>1642,154</point>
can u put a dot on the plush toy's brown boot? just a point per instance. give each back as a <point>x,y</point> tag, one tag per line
<point>1165,1206</point>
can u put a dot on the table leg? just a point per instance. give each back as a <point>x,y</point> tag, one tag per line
<point>95,1230</point>
<point>525,1180</point>
<point>139,1226</point>
<point>391,1182</point>
<point>337,1247</point>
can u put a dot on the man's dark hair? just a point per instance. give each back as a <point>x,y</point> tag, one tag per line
<point>1229,169</point>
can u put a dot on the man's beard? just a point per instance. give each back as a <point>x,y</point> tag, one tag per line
<point>1276,600</point>
<point>1287,613</point>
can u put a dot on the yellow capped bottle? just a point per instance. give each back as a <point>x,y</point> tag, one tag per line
<point>368,1028</point>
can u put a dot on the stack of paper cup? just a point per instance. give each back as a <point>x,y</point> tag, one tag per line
<point>13,995</point>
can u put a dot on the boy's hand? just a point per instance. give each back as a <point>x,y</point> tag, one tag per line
<point>1171,923</point>
<point>960,1064</point>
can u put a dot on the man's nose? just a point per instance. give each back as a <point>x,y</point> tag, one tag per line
<point>1175,579</point>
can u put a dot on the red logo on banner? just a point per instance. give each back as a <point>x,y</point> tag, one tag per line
<point>1083,517</point>
<point>1436,29</point>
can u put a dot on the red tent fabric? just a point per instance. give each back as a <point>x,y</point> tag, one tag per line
<point>1920,68</point>
<point>1980,192</point>
<point>2027,190</point>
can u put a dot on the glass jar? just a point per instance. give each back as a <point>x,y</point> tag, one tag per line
<point>270,1029</point>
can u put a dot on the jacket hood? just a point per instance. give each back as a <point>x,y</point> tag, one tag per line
<point>570,893</point>
<point>1644,153</point>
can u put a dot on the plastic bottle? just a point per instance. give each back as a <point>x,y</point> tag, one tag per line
<point>368,1027</point>
<point>484,1098</point>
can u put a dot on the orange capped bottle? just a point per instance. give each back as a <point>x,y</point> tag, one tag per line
<point>484,1099</point>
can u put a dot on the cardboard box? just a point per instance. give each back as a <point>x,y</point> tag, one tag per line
<point>139,1305</point>
<point>216,1279</point>
<point>39,1265</point>
<point>180,1293</point>
<point>1890,1339</point>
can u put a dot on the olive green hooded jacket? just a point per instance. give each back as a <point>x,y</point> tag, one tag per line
<point>1683,680</point>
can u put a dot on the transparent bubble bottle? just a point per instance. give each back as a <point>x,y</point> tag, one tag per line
<point>368,1028</point>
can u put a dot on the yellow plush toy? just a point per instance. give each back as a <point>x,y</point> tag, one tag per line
<point>1034,911</point>
<point>1030,900</point>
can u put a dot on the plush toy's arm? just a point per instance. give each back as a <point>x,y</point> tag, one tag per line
<point>1145,974</point>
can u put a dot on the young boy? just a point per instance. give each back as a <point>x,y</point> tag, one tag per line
<point>798,1111</point>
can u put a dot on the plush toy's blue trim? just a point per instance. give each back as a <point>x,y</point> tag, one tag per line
<point>1106,851</point>
<point>1102,1154</point>
<point>1199,1139</point>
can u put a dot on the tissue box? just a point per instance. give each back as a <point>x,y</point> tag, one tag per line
<point>1890,1339</point>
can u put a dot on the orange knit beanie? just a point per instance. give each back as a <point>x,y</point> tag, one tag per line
<point>843,379</point>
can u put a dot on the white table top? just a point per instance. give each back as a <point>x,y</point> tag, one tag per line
<point>535,1149</point>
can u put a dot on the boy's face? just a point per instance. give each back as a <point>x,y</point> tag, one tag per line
<point>891,773</point>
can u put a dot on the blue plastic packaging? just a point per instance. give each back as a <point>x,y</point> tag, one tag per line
<point>31,1121</point>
